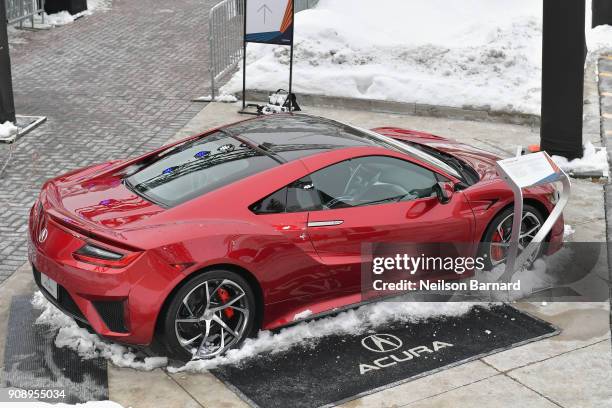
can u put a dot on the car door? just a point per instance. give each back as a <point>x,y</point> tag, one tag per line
<point>297,271</point>
<point>380,199</point>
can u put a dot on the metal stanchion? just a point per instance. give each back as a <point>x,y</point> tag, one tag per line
<point>7,105</point>
<point>602,12</point>
<point>563,54</point>
<point>528,171</point>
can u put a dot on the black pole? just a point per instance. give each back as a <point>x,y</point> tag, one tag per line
<point>291,57</point>
<point>602,12</point>
<point>7,104</point>
<point>563,53</point>
<point>244,48</point>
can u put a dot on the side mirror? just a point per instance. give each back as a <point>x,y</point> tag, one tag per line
<point>444,191</point>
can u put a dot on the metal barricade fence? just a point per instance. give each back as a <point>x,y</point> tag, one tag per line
<point>226,32</point>
<point>17,11</point>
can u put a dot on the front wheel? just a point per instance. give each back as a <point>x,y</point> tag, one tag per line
<point>210,314</point>
<point>496,241</point>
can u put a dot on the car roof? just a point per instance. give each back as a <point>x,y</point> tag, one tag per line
<point>293,136</point>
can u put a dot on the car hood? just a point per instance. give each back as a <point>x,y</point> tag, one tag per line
<point>96,197</point>
<point>480,160</point>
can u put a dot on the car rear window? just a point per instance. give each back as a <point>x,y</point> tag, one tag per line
<point>195,168</point>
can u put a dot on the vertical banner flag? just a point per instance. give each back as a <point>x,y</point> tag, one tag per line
<point>269,21</point>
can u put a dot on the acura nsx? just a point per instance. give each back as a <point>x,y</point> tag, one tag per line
<point>258,224</point>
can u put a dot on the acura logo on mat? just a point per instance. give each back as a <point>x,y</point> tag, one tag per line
<point>42,236</point>
<point>381,343</point>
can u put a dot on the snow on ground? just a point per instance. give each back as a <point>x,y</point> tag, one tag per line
<point>225,98</point>
<point>480,53</point>
<point>355,321</point>
<point>36,404</point>
<point>594,159</point>
<point>599,39</point>
<point>7,129</point>
<point>435,52</point>
<point>89,345</point>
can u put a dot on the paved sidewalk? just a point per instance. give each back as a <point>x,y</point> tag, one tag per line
<point>113,85</point>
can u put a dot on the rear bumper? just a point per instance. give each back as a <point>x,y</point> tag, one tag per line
<point>119,304</point>
<point>64,301</point>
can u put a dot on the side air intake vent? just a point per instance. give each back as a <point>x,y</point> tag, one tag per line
<point>113,315</point>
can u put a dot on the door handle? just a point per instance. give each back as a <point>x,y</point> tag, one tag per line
<point>324,223</point>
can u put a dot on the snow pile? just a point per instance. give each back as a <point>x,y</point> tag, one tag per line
<point>225,98</point>
<point>7,130</point>
<point>471,53</point>
<point>36,404</point>
<point>599,39</point>
<point>594,159</point>
<point>60,19</point>
<point>355,322</point>
<point>484,53</point>
<point>89,345</point>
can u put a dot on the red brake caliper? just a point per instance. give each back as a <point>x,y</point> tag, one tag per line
<point>225,296</point>
<point>497,252</point>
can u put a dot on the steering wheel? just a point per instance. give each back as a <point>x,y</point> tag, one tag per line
<point>357,182</point>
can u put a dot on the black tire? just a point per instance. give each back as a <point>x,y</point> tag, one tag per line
<point>169,335</point>
<point>485,245</point>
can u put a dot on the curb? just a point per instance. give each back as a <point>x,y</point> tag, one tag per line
<point>402,108</point>
<point>604,67</point>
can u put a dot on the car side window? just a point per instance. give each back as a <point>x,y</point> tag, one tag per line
<point>302,196</point>
<point>372,180</point>
<point>273,204</point>
<point>352,183</point>
<point>296,197</point>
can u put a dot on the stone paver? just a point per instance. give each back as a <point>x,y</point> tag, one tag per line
<point>113,85</point>
<point>140,389</point>
<point>554,378</point>
<point>498,391</point>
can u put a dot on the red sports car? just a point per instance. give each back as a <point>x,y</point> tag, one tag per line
<point>256,225</point>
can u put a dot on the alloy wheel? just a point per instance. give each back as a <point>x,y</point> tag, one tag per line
<point>212,318</point>
<point>500,242</point>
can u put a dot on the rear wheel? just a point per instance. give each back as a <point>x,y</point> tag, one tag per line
<point>496,242</point>
<point>212,313</point>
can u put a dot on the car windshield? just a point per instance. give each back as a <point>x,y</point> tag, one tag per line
<point>195,168</point>
<point>412,151</point>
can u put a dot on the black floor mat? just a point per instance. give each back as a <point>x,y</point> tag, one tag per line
<point>341,368</point>
<point>32,362</point>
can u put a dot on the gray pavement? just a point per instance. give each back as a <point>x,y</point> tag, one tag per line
<point>113,85</point>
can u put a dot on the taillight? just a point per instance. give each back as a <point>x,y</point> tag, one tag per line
<point>103,257</point>
<point>40,226</point>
